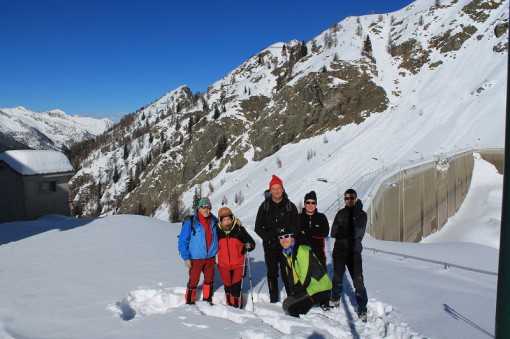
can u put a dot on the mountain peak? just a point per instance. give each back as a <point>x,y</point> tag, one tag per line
<point>51,130</point>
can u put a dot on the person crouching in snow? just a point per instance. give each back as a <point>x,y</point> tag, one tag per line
<point>198,245</point>
<point>233,242</point>
<point>308,281</point>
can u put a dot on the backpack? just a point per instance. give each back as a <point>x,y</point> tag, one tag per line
<point>192,218</point>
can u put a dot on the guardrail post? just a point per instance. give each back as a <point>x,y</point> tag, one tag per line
<point>503,296</point>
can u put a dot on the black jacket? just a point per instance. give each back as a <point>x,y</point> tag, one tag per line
<point>314,228</point>
<point>349,228</point>
<point>273,217</point>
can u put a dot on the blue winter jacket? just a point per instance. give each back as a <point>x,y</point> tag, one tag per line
<point>193,246</point>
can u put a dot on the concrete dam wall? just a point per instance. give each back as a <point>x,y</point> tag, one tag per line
<point>417,201</point>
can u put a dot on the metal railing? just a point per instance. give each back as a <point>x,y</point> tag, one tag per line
<point>445,264</point>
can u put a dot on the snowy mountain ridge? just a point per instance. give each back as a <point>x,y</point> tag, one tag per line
<point>21,128</point>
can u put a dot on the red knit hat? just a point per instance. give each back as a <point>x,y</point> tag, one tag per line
<point>275,181</point>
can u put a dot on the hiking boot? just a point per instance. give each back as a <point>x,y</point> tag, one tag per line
<point>362,315</point>
<point>325,306</point>
<point>274,294</point>
<point>335,303</point>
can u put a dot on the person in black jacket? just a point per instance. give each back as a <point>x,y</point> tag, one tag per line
<point>276,213</point>
<point>348,229</point>
<point>314,228</point>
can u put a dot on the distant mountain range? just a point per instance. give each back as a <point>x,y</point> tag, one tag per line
<point>21,128</point>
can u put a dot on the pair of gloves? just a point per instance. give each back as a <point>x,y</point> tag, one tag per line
<point>246,248</point>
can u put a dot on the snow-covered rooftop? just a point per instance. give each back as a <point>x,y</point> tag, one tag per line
<point>31,162</point>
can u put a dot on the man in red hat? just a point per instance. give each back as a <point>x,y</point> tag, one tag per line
<point>276,213</point>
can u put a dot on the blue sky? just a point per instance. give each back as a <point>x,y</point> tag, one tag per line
<point>106,58</point>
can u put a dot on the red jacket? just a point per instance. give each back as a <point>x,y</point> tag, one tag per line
<point>231,244</point>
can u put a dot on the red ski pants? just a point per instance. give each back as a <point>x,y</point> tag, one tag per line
<point>231,279</point>
<point>197,267</point>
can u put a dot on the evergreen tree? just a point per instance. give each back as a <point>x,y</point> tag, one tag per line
<point>221,146</point>
<point>196,198</point>
<point>99,194</point>
<point>303,50</point>
<point>126,152</point>
<point>176,207</point>
<point>359,30</point>
<point>131,182</point>
<point>190,127</point>
<point>141,209</point>
<point>216,113</point>
<point>367,47</point>
<point>116,175</point>
<point>165,146</point>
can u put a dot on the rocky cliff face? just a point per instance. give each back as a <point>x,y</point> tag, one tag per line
<point>285,93</point>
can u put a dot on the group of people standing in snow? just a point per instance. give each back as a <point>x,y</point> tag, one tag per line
<point>202,237</point>
<point>294,247</point>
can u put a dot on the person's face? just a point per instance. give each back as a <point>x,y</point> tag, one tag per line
<point>226,222</point>
<point>277,192</point>
<point>286,241</point>
<point>205,211</point>
<point>310,205</point>
<point>350,200</point>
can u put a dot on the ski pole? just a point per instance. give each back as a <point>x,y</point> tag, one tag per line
<point>242,280</point>
<point>249,276</point>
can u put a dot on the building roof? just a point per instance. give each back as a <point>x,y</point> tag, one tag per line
<point>32,162</point>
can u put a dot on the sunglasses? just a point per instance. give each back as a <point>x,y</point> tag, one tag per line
<point>285,236</point>
<point>206,207</point>
<point>349,198</point>
<point>310,202</point>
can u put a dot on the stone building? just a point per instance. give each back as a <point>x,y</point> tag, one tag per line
<point>33,183</point>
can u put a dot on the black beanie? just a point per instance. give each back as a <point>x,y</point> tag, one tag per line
<point>311,196</point>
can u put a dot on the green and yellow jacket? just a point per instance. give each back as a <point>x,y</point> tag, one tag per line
<point>304,271</point>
